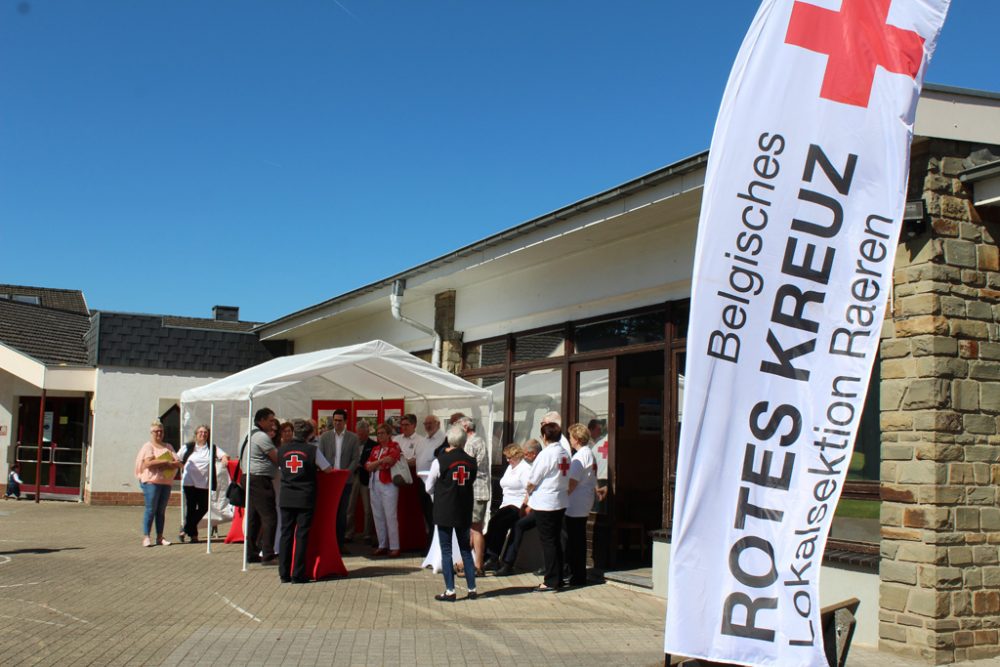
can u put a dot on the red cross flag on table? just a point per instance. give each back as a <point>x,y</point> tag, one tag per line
<point>801,212</point>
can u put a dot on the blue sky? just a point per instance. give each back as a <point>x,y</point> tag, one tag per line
<point>168,156</point>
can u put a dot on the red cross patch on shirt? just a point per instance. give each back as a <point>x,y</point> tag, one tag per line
<point>294,463</point>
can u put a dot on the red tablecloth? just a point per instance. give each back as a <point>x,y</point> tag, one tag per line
<point>323,554</point>
<point>410,515</point>
<point>235,534</point>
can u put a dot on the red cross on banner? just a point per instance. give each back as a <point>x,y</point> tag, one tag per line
<point>564,466</point>
<point>857,39</point>
<point>460,475</point>
<point>294,463</point>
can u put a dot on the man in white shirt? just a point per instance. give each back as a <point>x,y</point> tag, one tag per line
<point>414,450</point>
<point>341,448</point>
<point>408,440</point>
<point>434,436</point>
<point>426,451</point>
<point>554,417</point>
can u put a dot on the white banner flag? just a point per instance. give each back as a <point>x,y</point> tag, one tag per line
<point>801,214</point>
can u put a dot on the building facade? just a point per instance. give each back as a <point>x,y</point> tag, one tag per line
<point>90,382</point>
<point>584,310</point>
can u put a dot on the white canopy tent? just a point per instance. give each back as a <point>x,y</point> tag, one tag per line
<point>367,371</point>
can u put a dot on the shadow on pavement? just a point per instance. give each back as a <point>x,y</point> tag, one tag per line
<point>37,550</point>
<point>379,571</point>
<point>512,590</point>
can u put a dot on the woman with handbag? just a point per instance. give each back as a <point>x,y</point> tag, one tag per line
<point>197,474</point>
<point>384,493</point>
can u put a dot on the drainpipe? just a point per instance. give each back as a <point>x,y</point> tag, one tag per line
<point>395,302</point>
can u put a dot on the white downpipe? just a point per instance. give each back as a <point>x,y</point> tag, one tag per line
<point>396,302</point>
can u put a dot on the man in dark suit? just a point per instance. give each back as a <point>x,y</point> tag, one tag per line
<point>343,450</point>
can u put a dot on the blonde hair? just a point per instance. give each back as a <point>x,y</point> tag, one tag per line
<point>580,433</point>
<point>156,423</point>
<point>513,451</point>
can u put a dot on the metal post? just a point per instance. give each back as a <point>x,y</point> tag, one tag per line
<point>212,462</point>
<point>38,456</point>
<point>246,508</point>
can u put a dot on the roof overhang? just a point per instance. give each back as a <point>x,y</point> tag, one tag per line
<point>49,378</point>
<point>682,179</point>
<point>960,114</point>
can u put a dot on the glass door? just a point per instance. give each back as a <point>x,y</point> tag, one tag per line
<point>63,434</point>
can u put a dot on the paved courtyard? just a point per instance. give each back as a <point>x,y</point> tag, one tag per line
<point>77,589</point>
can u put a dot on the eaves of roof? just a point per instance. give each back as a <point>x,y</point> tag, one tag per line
<point>626,189</point>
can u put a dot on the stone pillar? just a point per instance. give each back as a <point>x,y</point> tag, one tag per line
<point>940,571</point>
<point>444,324</point>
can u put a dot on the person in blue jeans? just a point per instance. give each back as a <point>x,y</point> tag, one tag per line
<point>155,466</point>
<point>449,483</point>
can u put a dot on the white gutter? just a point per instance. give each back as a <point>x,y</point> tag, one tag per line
<point>395,304</point>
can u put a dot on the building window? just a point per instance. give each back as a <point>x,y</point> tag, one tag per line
<point>535,393</point>
<point>497,385</point>
<point>620,332</point>
<point>21,298</point>
<point>544,345</point>
<point>486,354</point>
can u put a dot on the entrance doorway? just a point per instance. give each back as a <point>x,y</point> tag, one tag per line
<point>64,426</point>
<point>637,460</point>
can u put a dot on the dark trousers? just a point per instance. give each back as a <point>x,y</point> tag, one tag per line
<point>427,505</point>
<point>448,561</point>
<point>523,525</point>
<point>345,500</point>
<point>195,509</point>
<point>576,549</point>
<point>262,520</point>
<point>500,524</point>
<point>295,523</point>
<point>550,535</point>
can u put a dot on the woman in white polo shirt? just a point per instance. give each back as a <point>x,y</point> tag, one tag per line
<point>582,485</point>
<point>547,489</point>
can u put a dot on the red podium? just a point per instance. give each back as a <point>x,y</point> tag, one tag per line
<point>323,554</point>
<point>410,515</point>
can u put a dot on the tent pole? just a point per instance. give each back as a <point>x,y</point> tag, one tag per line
<point>246,505</point>
<point>212,462</point>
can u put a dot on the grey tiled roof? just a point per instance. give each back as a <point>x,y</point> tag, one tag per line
<point>49,335</point>
<point>145,341</point>
<point>60,299</point>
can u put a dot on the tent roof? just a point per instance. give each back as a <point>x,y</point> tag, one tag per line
<point>369,370</point>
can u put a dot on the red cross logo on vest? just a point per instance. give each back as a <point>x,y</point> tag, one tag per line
<point>563,466</point>
<point>460,475</point>
<point>857,39</point>
<point>603,450</point>
<point>294,463</point>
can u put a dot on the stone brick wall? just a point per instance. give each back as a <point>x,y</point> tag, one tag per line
<point>940,395</point>
<point>444,324</point>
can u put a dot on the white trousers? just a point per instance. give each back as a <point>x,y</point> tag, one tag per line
<point>384,500</point>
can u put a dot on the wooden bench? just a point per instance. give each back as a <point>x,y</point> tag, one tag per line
<point>838,622</point>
